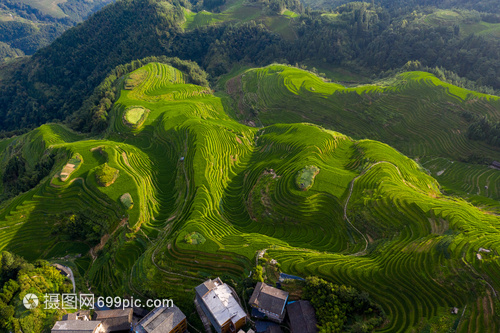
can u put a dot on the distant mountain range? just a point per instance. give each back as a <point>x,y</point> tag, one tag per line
<point>27,25</point>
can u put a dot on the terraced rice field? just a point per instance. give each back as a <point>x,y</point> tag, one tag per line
<point>193,170</point>
<point>416,113</point>
<point>465,21</point>
<point>243,11</point>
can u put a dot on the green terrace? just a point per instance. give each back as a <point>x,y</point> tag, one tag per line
<point>199,191</point>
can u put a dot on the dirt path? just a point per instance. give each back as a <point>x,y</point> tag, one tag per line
<point>473,270</point>
<point>363,252</point>
<point>360,253</point>
<point>104,239</point>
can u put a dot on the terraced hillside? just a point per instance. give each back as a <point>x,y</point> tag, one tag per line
<point>464,20</point>
<point>372,218</point>
<point>238,11</point>
<point>415,112</point>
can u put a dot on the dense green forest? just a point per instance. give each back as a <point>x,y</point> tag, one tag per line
<point>18,278</point>
<point>491,6</point>
<point>369,38</point>
<point>485,130</point>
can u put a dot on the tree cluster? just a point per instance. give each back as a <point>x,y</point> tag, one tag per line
<point>278,6</point>
<point>19,177</point>
<point>338,308</point>
<point>485,130</point>
<point>18,278</point>
<point>87,226</point>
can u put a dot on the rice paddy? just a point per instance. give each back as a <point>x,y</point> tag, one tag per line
<point>209,192</point>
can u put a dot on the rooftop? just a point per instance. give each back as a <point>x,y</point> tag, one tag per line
<point>269,298</point>
<point>70,326</point>
<point>80,315</point>
<point>208,285</point>
<point>160,320</point>
<point>220,301</point>
<point>302,317</point>
<point>113,313</point>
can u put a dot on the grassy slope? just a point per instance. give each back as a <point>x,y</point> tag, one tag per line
<point>466,21</point>
<point>191,168</point>
<point>242,11</point>
<point>48,7</point>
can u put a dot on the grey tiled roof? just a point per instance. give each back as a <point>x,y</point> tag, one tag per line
<point>302,317</point>
<point>269,298</point>
<point>79,326</point>
<point>161,320</point>
<point>116,313</point>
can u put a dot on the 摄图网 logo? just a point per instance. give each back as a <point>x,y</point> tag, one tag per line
<point>30,301</point>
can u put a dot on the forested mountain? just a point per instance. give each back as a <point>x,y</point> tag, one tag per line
<point>28,25</point>
<point>54,82</point>
<point>490,6</point>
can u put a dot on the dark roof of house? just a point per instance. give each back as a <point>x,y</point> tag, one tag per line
<point>115,320</point>
<point>302,317</point>
<point>140,312</point>
<point>76,326</point>
<point>496,164</point>
<point>269,298</point>
<point>116,313</point>
<point>161,320</point>
<point>274,329</point>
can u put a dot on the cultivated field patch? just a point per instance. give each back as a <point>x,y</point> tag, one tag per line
<point>135,116</point>
<point>305,177</point>
<point>73,164</point>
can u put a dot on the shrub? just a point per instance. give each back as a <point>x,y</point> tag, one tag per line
<point>106,175</point>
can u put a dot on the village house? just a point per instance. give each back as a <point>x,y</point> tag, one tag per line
<point>302,317</point>
<point>115,320</point>
<point>163,320</point>
<point>269,301</point>
<point>80,315</point>
<point>78,326</point>
<point>218,302</point>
